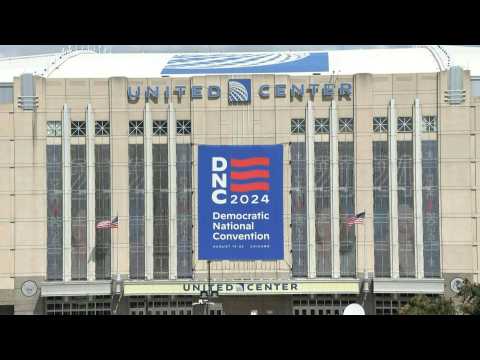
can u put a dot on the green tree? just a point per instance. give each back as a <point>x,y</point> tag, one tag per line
<point>470,295</point>
<point>424,305</point>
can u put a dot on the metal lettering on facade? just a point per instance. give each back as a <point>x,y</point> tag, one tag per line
<point>239,91</point>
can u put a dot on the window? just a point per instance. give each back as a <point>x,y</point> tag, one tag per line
<point>102,211</point>
<point>346,207</point>
<point>79,212</point>
<point>431,236</point>
<point>381,217</point>
<point>54,213</point>
<point>135,128</point>
<point>298,126</point>
<point>102,128</point>
<point>184,127</point>
<point>136,184</point>
<point>184,211</point>
<point>160,127</point>
<point>475,82</point>
<point>322,126</point>
<point>406,230</point>
<point>79,128</point>
<point>298,210</point>
<point>160,211</point>
<point>54,128</point>
<point>405,124</point>
<point>380,124</point>
<point>322,208</point>
<point>429,124</point>
<point>6,93</point>
<point>345,125</point>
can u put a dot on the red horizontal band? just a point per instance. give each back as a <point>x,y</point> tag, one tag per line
<point>255,161</point>
<point>250,187</point>
<point>252,174</point>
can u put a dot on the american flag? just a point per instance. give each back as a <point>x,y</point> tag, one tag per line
<point>108,224</point>
<point>357,219</point>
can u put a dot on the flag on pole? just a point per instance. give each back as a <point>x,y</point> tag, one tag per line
<point>108,224</point>
<point>357,219</point>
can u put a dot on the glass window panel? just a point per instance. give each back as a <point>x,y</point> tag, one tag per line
<point>184,210</point>
<point>79,212</point>
<point>298,210</point>
<point>322,209</point>
<point>406,231</point>
<point>160,211</point>
<point>347,208</point>
<point>381,216</point>
<point>136,210</point>
<point>102,211</point>
<point>431,235</point>
<point>54,213</point>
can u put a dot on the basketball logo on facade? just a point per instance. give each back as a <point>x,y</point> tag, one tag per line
<point>239,91</point>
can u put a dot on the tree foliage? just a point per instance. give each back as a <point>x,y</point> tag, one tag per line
<point>424,305</point>
<point>470,295</point>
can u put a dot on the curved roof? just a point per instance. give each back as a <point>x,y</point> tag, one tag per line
<point>88,64</point>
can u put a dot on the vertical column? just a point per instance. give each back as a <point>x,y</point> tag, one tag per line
<point>334,195</point>
<point>172,192</point>
<point>90,122</point>
<point>392,150</point>
<point>67,196</point>
<point>418,187</point>
<point>147,146</point>
<point>310,167</point>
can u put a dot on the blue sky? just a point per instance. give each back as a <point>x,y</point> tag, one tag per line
<point>20,50</point>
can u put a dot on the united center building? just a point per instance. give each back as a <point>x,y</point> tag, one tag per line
<point>86,137</point>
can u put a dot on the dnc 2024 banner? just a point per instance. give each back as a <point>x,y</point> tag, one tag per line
<point>240,204</point>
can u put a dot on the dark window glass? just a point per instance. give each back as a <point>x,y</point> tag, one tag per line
<point>298,210</point>
<point>54,213</point>
<point>160,211</point>
<point>347,208</point>
<point>79,212</point>
<point>135,128</point>
<point>160,127</point>
<point>184,211</point>
<point>322,126</point>
<point>322,209</point>
<point>102,211</point>
<point>297,126</point>
<point>381,208</point>
<point>102,128</point>
<point>184,127</point>
<point>431,236</point>
<point>78,128</point>
<point>136,210</point>
<point>406,230</point>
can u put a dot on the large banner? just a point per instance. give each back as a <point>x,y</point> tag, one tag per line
<point>240,202</point>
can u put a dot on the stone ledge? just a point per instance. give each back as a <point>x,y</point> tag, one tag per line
<point>409,286</point>
<point>76,288</point>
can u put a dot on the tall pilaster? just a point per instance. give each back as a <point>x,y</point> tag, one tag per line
<point>417,148</point>
<point>334,195</point>
<point>310,167</point>
<point>147,146</point>
<point>392,151</point>
<point>172,192</point>
<point>67,196</point>
<point>90,123</point>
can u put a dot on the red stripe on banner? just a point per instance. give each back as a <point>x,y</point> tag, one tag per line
<point>255,161</point>
<point>244,175</point>
<point>250,187</point>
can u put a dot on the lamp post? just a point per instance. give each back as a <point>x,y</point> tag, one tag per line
<point>205,296</point>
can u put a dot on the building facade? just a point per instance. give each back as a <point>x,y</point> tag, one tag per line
<point>403,147</point>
